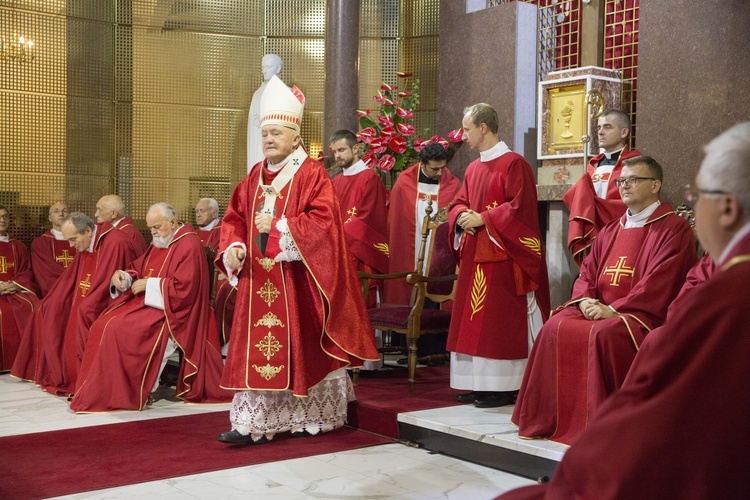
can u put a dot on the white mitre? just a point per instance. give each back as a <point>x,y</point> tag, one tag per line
<point>281,105</point>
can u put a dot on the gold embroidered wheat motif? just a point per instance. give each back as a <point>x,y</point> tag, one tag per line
<point>478,291</point>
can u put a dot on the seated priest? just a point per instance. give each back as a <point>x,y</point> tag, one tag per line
<point>636,268</point>
<point>208,222</point>
<point>50,352</point>
<point>17,292</point>
<point>51,254</point>
<point>110,208</point>
<point>163,307</point>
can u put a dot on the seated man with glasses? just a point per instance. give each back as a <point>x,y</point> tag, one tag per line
<point>636,268</point>
<point>51,254</point>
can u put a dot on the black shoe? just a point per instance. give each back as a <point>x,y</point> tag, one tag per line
<point>234,437</point>
<point>299,434</point>
<point>496,399</point>
<point>469,397</point>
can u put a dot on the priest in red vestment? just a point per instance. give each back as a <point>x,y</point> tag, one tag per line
<point>300,317</point>
<point>594,200</point>
<point>502,294</point>
<point>362,199</point>
<point>51,350</point>
<point>110,208</point>
<point>678,426</point>
<point>636,268</point>
<point>17,292</point>
<point>164,306</point>
<point>208,222</point>
<point>428,179</point>
<point>51,254</point>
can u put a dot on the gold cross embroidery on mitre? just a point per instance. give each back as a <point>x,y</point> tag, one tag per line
<point>65,258</point>
<point>618,271</point>
<point>5,265</point>
<point>85,285</point>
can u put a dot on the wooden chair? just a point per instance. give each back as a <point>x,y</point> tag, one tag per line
<point>434,278</point>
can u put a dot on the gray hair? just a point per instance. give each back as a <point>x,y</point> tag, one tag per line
<point>212,204</point>
<point>80,221</point>
<point>165,208</point>
<point>727,164</point>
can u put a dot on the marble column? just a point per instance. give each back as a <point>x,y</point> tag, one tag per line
<point>342,68</point>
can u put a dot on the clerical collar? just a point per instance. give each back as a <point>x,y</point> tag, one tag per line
<point>57,234</point>
<point>358,167</point>
<point>5,237</point>
<point>424,179</point>
<point>614,155</point>
<point>90,249</point>
<point>494,152</point>
<point>744,230</point>
<point>118,221</point>
<point>210,225</point>
<point>640,219</point>
<point>278,166</point>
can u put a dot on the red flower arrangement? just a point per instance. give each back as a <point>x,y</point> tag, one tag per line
<point>389,138</point>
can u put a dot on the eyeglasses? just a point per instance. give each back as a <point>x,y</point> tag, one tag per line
<point>627,182</point>
<point>692,193</point>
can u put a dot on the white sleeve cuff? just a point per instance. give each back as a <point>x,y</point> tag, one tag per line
<point>154,298</point>
<point>288,250</point>
<point>232,275</point>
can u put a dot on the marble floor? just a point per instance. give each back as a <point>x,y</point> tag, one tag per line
<point>389,471</point>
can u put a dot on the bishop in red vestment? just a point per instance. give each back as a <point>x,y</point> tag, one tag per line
<point>678,426</point>
<point>51,351</point>
<point>165,306</point>
<point>429,179</point>
<point>51,254</point>
<point>362,199</point>
<point>300,317</point>
<point>17,292</point>
<point>594,200</point>
<point>502,295</point>
<point>582,355</point>
<point>110,208</point>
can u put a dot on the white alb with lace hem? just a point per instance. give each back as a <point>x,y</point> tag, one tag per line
<point>266,413</point>
<point>288,250</point>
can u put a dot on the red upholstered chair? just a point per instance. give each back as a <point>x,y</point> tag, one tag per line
<point>434,279</point>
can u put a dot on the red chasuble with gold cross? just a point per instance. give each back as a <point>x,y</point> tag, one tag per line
<point>295,322</point>
<point>51,352</point>
<point>17,308</point>
<point>49,258</point>
<point>576,363</point>
<point>500,264</point>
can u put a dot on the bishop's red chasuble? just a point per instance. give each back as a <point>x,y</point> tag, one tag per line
<point>127,343</point>
<point>297,321</point>
<point>17,308</point>
<point>501,264</point>
<point>678,426</point>
<point>362,199</point>
<point>589,213</point>
<point>127,227</point>
<point>405,225</point>
<point>577,363</point>
<point>51,351</point>
<point>49,258</point>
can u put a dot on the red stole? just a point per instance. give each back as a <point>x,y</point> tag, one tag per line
<point>268,327</point>
<point>83,284</point>
<point>7,262</point>
<point>574,335</point>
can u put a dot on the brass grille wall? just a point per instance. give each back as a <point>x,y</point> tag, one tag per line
<point>149,98</point>
<point>621,21</point>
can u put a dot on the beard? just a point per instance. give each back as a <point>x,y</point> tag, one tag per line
<point>162,241</point>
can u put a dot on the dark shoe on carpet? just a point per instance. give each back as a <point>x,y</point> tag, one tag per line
<point>299,434</point>
<point>234,437</point>
<point>469,397</point>
<point>496,399</point>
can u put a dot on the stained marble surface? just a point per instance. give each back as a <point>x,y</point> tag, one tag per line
<point>390,471</point>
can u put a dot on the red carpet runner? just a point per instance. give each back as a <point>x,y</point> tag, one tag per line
<point>71,461</point>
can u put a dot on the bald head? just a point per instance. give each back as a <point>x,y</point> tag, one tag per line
<point>109,208</point>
